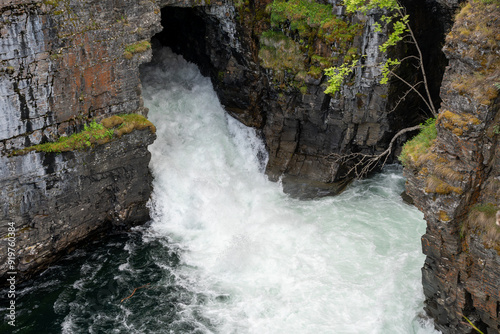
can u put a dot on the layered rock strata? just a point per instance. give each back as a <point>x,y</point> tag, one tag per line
<point>57,200</point>
<point>455,183</point>
<point>64,63</point>
<point>269,74</point>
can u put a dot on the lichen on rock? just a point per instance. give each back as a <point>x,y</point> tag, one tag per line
<point>455,182</point>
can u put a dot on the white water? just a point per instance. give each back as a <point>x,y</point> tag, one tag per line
<point>265,262</point>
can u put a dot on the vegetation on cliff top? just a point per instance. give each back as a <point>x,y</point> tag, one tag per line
<point>313,20</point>
<point>137,47</point>
<point>476,37</point>
<point>94,134</point>
<point>420,144</point>
<point>305,38</point>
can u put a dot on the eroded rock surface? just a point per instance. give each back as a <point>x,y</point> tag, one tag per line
<point>456,182</point>
<point>64,63</point>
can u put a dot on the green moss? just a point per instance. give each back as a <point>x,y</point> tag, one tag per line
<point>488,209</point>
<point>280,52</point>
<point>420,144</point>
<point>313,20</point>
<point>301,32</point>
<point>220,76</point>
<point>301,12</point>
<point>315,72</point>
<point>137,47</point>
<point>53,3</point>
<point>351,55</point>
<point>94,134</point>
<point>323,62</point>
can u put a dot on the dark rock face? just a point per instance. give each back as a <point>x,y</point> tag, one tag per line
<point>218,44</point>
<point>58,200</point>
<point>456,182</point>
<point>62,64</point>
<point>303,128</point>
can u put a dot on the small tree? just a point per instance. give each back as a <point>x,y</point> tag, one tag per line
<point>395,19</point>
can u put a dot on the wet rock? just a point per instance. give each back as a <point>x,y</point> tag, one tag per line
<point>456,183</point>
<point>56,200</point>
<point>62,64</point>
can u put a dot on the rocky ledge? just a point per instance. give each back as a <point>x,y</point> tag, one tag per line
<point>65,64</point>
<point>56,200</point>
<point>455,181</point>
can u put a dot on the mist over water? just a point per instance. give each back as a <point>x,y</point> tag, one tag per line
<point>226,251</point>
<point>268,263</point>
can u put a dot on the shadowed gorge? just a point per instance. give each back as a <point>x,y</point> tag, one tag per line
<point>207,123</point>
<point>227,251</point>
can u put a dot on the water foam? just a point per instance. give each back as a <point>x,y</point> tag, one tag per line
<point>261,261</point>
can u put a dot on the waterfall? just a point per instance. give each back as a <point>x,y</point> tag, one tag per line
<point>227,251</point>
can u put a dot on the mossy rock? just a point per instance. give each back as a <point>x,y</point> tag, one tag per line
<point>112,122</point>
<point>94,134</point>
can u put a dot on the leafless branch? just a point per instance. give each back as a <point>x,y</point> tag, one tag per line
<point>429,104</point>
<point>365,163</point>
<point>401,99</point>
<point>427,101</point>
<point>133,292</point>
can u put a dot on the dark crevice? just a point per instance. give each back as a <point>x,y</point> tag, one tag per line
<point>430,22</point>
<point>184,31</point>
<point>198,35</point>
<point>471,313</point>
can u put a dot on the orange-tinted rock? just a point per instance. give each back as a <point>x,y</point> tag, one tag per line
<point>461,275</point>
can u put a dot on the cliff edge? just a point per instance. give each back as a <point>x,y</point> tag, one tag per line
<point>66,65</point>
<point>455,180</point>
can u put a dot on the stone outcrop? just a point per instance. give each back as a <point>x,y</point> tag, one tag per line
<point>284,97</point>
<point>57,200</point>
<point>64,63</point>
<point>455,183</point>
<point>269,75</point>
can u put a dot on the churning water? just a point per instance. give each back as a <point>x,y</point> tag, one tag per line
<point>227,252</point>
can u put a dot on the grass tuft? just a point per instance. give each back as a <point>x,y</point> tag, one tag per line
<point>94,134</point>
<point>138,47</point>
<point>482,220</point>
<point>420,144</point>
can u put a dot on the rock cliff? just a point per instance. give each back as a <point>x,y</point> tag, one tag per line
<point>268,73</point>
<point>64,63</point>
<point>455,181</point>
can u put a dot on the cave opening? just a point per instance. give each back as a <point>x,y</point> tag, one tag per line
<point>184,31</point>
<point>197,34</point>
<point>430,21</point>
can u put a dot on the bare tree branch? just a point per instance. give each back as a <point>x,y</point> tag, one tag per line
<point>365,163</point>
<point>133,292</point>
<point>401,99</point>
<point>428,102</point>
<point>360,163</point>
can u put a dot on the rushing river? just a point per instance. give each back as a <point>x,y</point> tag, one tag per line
<point>226,251</point>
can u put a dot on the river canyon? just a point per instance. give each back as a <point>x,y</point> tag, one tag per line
<point>218,206</point>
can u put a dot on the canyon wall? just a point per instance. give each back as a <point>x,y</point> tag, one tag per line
<point>64,63</point>
<point>269,75</point>
<point>455,181</point>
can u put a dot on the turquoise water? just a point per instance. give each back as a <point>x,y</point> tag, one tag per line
<point>228,252</point>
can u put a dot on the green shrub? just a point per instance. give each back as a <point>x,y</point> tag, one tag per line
<point>137,47</point>
<point>420,144</point>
